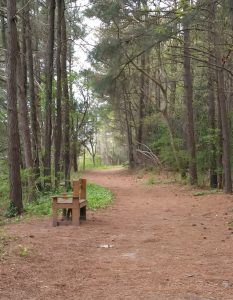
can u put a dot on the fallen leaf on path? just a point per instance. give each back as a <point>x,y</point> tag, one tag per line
<point>106,246</point>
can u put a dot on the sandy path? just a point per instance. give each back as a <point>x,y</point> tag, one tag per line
<point>163,242</point>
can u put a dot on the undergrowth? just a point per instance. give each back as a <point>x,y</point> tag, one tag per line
<point>97,197</point>
<point>89,165</point>
<point>5,239</point>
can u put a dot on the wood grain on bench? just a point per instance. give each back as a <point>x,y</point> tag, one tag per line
<point>77,202</point>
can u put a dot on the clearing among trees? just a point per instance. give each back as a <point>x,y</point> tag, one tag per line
<point>155,242</point>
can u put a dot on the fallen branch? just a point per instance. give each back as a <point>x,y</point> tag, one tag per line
<point>149,154</point>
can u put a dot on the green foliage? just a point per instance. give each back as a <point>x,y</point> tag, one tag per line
<point>150,181</point>
<point>41,207</point>
<point>105,11</point>
<point>140,173</point>
<point>230,224</point>
<point>204,193</point>
<point>11,211</point>
<point>207,138</point>
<point>161,145</point>
<point>23,251</point>
<point>98,196</point>
<point>108,48</point>
<point>4,187</point>
<point>5,239</point>
<point>89,163</point>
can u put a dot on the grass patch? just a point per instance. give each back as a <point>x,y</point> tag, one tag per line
<point>204,193</point>
<point>23,251</point>
<point>97,166</point>
<point>150,181</point>
<point>230,224</point>
<point>40,207</point>
<point>4,242</point>
<point>98,196</point>
<point>140,174</point>
<point>153,181</point>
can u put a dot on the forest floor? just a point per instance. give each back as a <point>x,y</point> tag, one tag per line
<point>155,242</point>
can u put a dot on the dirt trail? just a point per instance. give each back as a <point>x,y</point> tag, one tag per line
<point>163,244</point>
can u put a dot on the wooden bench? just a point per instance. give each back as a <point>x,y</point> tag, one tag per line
<point>77,202</point>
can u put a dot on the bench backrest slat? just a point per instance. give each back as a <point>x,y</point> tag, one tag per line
<point>79,188</point>
<point>76,188</point>
<point>83,193</point>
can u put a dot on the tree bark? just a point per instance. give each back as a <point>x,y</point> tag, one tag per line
<point>66,143</point>
<point>24,48</point>
<point>84,159</point>
<point>75,156</point>
<point>224,123</point>
<point>129,135</point>
<point>48,91</point>
<point>231,12</point>
<point>13,130</point>
<point>58,125</point>
<point>173,84</point>
<point>188,95</point>
<point>226,143</point>
<point>211,102</point>
<point>32,96</point>
<point>220,149</point>
<point>3,27</point>
<point>141,102</point>
<point>24,127</point>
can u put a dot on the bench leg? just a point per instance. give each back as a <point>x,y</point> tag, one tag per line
<point>54,217</point>
<point>75,216</point>
<point>83,213</point>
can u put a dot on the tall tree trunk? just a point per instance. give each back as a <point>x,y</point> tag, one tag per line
<point>24,125</point>
<point>48,92</point>
<point>58,126</point>
<point>220,149</point>
<point>129,134</point>
<point>13,130</point>
<point>38,125</point>
<point>32,96</point>
<point>211,103</point>
<point>24,48</point>
<point>226,140</point>
<point>74,129</point>
<point>188,95</point>
<point>84,159</point>
<point>172,140</point>
<point>172,101</point>
<point>23,115</point>
<point>66,143</point>
<point>3,26</point>
<point>75,156</point>
<point>212,126</point>
<point>173,82</point>
<point>141,102</point>
<point>224,122</point>
<point>231,12</point>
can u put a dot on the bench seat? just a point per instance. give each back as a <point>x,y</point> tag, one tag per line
<point>76,202</point>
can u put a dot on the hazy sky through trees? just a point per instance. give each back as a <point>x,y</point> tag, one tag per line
<point>84,45</point>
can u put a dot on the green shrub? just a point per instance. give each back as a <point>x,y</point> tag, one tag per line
<point>41,207</point>
<point>11,211</point>
<point>150,181</point>
<point>98,197</point>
